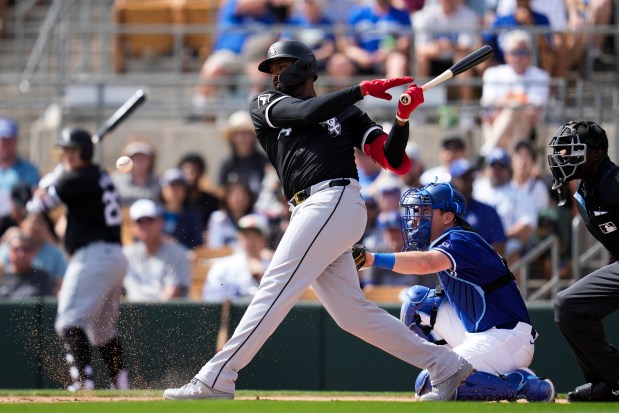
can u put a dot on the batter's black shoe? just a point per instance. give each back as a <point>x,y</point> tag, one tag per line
<point>594,392</point>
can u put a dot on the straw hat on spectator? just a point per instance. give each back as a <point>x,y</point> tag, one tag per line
<point>239,121</point>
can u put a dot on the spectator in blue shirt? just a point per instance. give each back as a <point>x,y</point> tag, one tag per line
<point>482,217</point>
<point>245,30</point>
<point>13,169</point>
<point>377,41</point>
<point>180,222</point>
<point>310,26</point>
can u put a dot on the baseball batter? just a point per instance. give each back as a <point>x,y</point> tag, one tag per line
<point>477,309</point>
<point>311,140</point>
<point>89,298</point>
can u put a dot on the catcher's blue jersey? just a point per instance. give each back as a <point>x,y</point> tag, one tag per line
<point>475,266</point>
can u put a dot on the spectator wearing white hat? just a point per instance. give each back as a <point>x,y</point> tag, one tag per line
<point>13,169</point>
<point>141,182</point>
<point>159,269</point>
<point>238,275</point>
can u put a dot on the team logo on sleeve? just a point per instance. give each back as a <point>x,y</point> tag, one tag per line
<point>263,99</point>
<point>333,126</point>
<point>608,227</point>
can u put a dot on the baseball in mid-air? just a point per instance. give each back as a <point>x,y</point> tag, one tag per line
<point>124,164</point>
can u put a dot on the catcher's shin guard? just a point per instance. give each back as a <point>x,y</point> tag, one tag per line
<point>479,386</point>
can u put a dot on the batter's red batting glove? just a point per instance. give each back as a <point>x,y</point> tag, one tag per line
<point>377,87</point>
<point>415,94</point>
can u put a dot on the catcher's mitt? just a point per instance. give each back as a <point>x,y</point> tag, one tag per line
<point>358,254</point>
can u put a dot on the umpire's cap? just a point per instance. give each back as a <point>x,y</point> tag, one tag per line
<point>303,68</point>
<point>77,138</point>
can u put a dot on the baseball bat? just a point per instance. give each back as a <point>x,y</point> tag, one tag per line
<point>222,334</point>
<point>469,61</point>
<point>120,115</point>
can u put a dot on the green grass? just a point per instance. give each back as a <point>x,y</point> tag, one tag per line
<point>270,406</point>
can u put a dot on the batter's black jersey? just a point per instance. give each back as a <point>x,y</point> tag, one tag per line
<point>312,140</point>
<point>93,207</point>
<point>601,206</point>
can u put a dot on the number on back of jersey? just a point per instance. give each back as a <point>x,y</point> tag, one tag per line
<point>111,201</point>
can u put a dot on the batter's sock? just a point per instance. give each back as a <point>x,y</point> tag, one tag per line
<point>112,354</point>
<point>79,357</point>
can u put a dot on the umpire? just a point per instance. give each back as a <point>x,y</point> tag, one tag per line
<point>580,151</point>
<point>90,295</point>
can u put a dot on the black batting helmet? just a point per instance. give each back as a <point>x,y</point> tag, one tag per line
<point>303,68</point>
<point>77,138</point>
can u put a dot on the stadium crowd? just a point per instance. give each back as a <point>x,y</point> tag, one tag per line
<point>240,209</point>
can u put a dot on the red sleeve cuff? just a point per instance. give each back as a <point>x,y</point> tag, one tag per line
<point>376,151</point>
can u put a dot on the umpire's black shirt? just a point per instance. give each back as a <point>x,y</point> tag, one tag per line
<point>601,200</point>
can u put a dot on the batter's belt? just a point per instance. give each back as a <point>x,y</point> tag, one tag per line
<point>302,195</point>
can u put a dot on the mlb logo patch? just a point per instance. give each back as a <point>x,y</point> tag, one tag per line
<point>608,227</point>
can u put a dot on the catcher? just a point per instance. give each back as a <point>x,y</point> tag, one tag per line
<point>477,309</point>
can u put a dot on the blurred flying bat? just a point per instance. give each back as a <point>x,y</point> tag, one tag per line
<point>120,115</point>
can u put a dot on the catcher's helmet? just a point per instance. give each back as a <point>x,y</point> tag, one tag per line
<point>418,203</point>
<point>77,138</point>
<point>303,68</point>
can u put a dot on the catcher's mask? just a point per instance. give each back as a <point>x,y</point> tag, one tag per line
<point>569,150</point>
<point>416,217</point>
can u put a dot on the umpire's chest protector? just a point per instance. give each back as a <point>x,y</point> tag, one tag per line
<point>599,208</point>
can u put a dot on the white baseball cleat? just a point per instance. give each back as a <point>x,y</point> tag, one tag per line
<point>195,389</point>
<point>444,390</point>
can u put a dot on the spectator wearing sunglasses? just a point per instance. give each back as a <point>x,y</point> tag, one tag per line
<point>513,95</point>
<point>20,279</point>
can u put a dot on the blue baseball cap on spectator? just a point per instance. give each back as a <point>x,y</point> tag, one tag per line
<point>459,167</point>
<point>8,128</point>
<point>498,155</point>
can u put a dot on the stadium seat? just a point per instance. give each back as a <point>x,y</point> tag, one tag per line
<point>201,261</point>
<point>198,13</point>
<point>140,13</point>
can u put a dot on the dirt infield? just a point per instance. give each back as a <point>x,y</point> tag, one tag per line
<point>86,398</point>
<point>312,398</point>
